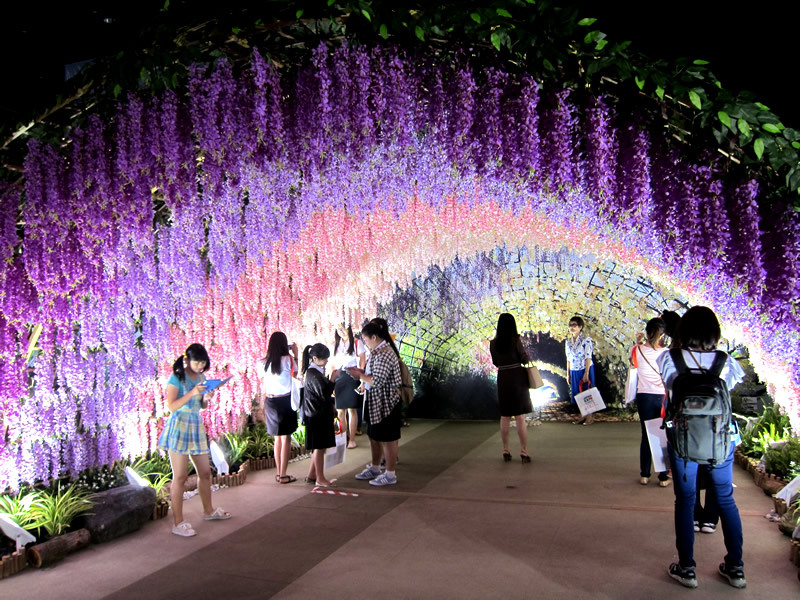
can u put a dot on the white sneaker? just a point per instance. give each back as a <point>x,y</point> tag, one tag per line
<point>384,479</point>
<point>183,529</point>
<point>367,473</point>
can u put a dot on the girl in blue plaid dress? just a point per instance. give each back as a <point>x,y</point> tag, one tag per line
<point>184,435</point>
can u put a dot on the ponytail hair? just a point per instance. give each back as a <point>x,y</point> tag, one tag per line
<point>193,352</point>
<point>316,351</point>
<point>654,330</point>
<point>380,328</point>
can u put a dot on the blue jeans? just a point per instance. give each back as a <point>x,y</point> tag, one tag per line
<point>649,407</point>
<point>720,478</point>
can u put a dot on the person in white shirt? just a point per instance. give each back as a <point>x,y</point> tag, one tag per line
<point>346,354</point>
<point>276,371</point>
<point>649,391</point>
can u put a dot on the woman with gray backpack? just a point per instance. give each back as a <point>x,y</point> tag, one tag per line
<point>700,434</point>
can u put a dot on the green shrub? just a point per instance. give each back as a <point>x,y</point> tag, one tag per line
<point>57,508</point>
<point>783,460</point>
<point>259,442</point>
<point>235,446</point>
<point>758,434</point>
<point>20,507</point>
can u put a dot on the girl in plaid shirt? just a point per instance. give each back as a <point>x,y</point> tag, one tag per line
<point>382,405</point>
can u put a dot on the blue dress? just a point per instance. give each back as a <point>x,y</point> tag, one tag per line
<point>184,432</point>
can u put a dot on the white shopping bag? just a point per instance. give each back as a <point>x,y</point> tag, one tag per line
<point>335,455</point>
<point>589,401</point>
<point>658,444</point>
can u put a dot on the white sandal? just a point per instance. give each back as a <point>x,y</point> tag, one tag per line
<point>183,529</point>
<point>217,515</point>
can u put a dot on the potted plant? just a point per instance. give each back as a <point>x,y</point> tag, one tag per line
<point>52,514</point>
<point>259,447</point>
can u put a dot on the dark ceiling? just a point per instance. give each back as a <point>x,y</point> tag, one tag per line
<point>754,50</point>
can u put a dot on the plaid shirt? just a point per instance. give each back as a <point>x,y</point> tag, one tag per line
<point>383,394</point>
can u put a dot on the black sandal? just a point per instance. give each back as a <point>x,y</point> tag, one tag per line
<point>506,456</point>
<point>525,458</point>
<point>287,478</point>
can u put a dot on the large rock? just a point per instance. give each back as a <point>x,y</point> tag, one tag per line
<point>117,512</point>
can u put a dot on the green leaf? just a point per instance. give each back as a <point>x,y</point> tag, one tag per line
<point>791,135</point>
<point>744,127</point>
<point>771,127</point>
<point>165,8</point>
<point>639,82</point>
<point>758,147</point>
<point>299,14</point>
<point>761,106</point>
<point>368,16</point>
<point>117,90</point>
<point>476,17</point>
<point>548,65</point>
<point>700,62</point>
<point>383,31</point>
<point>331,2</point>
<point>235,30</point>
<point>495,37</point>
<point>600,44</point>
<point>694,98</point>
<point>725,118</point>
<point>502,12</point>
<point>660,92</point>
<point>586,22</point>
<point>796,145</point>
<point>419,33</point>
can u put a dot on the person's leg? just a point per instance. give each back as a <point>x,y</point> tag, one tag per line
<point>722,484</point>
<point>684,476</point>
<point>377,452</point>
<point>352,425</point>
<point>522,432</point>
<point>319,466</point>
<point>505,424</point>
<point>390,453</point>
<point>312,466</point>
<point>341,416</point>
<point>203,469</point>
<point>180,471</point>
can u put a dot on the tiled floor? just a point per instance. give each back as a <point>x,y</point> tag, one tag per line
<point>460,523</point>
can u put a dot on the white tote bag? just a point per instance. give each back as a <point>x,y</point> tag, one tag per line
<point>631,385</point>
<point>335,455</point>
<point>658,444</point>
<point>589,401</point>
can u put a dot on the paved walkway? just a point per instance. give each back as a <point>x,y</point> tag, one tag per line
<point>573,524</point>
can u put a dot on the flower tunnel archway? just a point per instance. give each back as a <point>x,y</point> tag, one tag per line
<point>267,200</point>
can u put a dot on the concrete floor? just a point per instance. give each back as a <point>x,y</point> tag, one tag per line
<point>460,523</point>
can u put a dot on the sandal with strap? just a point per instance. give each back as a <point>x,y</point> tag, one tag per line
<point>217,515</point>
<point>287,478</point>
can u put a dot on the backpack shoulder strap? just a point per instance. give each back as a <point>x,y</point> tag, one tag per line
<point>677,360</point>
<point>720,358</point>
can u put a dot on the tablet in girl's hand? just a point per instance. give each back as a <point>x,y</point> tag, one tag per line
<point>212,384</point>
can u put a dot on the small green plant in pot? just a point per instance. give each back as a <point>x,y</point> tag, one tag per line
<point>57,508</point>
<point>259,442</point>
<point>235,446</point>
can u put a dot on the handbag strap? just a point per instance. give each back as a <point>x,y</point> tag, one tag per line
<point>639,348</point>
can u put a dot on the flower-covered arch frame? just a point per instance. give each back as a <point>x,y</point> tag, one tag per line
<point>267,200</point>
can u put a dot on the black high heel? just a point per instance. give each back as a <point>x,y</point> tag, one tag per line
<point>525,458</point>
<point>506,456</point>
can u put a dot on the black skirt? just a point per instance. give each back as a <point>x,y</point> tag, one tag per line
<point>320,433</point>
<point>281,419</point>
<point>346,395</point>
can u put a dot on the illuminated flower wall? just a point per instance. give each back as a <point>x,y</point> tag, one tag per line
<point>268,200</point>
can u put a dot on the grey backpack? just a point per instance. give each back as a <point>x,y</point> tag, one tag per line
<point>699,412</point>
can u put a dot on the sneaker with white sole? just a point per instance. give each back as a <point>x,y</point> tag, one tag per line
<point>384,479</point>
<point>368,473</point>
<point>183,529</point>
<point>734,575</point>
<point>708,527</point>
<point>684,575</point>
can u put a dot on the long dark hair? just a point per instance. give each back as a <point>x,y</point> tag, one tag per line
<point>193,352</point>
<point>351,348</point>
<point>316,351</point>
<point>672,321</point>
<point>506,332</point>
<point>380,328</point>
<point>277,348</point>
<point>699,329</point>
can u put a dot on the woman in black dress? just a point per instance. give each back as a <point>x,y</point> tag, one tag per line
<point>318,411</point>
<point>513,392</point>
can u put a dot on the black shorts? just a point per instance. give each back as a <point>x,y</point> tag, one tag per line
<point>387,430</point>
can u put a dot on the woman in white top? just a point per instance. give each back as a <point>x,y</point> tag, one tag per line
<point>346,353</point>
<point>275,371</point>
<point>649,391</point>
